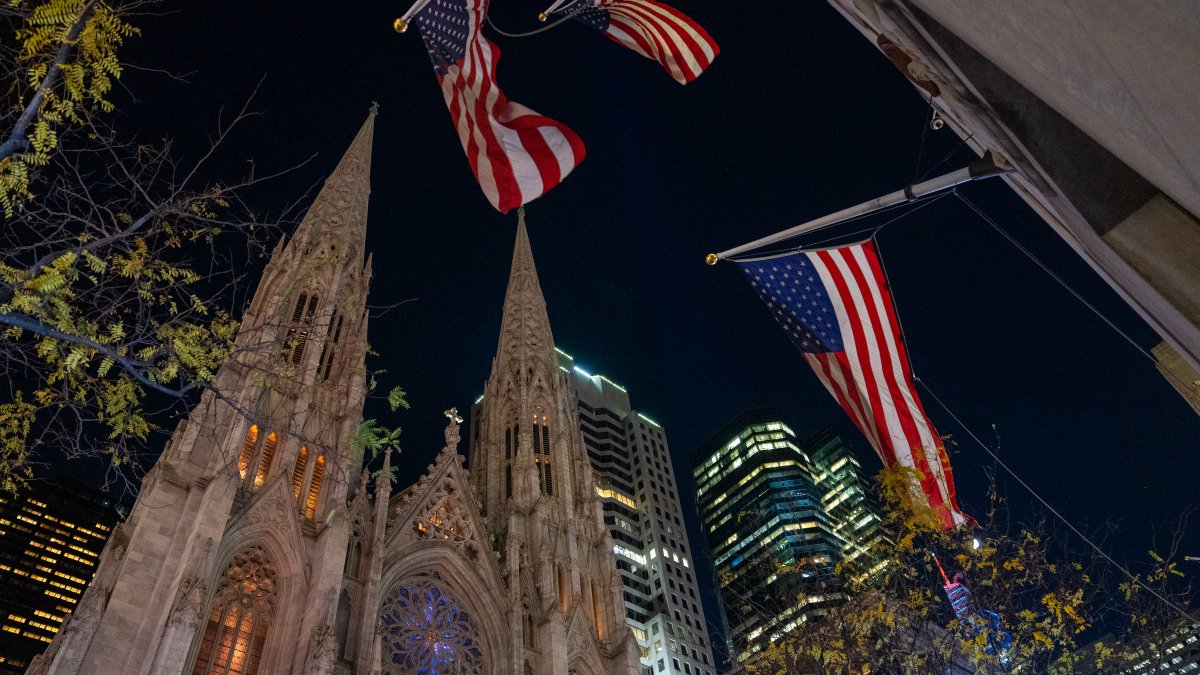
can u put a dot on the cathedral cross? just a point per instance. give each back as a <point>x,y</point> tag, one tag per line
<point>452,435</point>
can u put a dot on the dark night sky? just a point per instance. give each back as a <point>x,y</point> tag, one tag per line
<point>798,117</point>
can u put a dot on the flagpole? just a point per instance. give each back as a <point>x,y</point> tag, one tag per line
<point>401,24</point>
<point>984,167</point>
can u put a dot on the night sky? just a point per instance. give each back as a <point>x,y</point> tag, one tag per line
<point>798,117</point>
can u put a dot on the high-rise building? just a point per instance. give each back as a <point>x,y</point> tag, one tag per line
<point>50,539</point>
<point>779,515</point>
<point>636,482</point>
<point>259,545</point>
<point>1171,649</point>
<point>848,503</point>
<point>773,545</point>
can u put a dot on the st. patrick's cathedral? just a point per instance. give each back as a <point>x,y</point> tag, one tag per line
<point>258,545</point>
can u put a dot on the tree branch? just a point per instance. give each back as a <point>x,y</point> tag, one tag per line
<point>17,139</point>
<point>134,367</point>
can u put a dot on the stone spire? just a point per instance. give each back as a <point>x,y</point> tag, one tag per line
<point>525,329</point>
<point>339,213</point>
<point>313,291</point>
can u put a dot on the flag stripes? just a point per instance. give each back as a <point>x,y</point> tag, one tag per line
<point>835,306</point>
<point>515,153</point>
<point>656,31</point>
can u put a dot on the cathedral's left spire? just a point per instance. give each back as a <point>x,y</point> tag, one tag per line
<point>339,213</point>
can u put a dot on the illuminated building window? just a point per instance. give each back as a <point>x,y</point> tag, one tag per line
<point>264,463</point>
<point>300,327</point>
<point>314,488</point>
<point>298,473</point>
<point>237,625</point>
<point>247,450</point>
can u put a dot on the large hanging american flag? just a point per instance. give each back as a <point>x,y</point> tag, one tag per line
<point>516,154</point>
<point>652,29</point>
<point>835,306</point>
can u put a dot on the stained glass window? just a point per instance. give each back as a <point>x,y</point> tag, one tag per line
<point>233,639</point>
<point>427,631</point>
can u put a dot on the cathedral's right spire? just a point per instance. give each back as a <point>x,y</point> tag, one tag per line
<point>525,329</point>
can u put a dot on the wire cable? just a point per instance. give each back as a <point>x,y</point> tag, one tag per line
<point>1138,582</point>
<point>565,17</point>
<point>987,219</point>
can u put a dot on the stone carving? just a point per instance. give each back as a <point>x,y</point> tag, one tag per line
<point>446,518</point>
<point>274,511</point>
<point>452,431</point>
<point>321,651</point>
<point>249,581</point>
<point>578,640</point>
<point>426,630</point>
<point>189,605</point>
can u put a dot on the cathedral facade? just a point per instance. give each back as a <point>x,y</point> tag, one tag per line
<point>258,545</point>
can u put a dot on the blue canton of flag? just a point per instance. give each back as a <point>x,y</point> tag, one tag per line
<point>445,27</point>
<point>799,301</point>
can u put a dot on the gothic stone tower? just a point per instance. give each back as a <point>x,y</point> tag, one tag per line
<point>531,472</point>
<point>232,559</point>
<point>256,549</point>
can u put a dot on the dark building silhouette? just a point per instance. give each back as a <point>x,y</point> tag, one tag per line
<point>51,536</point>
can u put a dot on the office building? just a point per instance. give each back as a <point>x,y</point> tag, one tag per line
<point>631,463</point>
<point>848,502</point>
<point>773,544</point>
<point>1171,650</point>
<point>51,537</point>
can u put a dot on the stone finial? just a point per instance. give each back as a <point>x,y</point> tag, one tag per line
<point>452,431</point>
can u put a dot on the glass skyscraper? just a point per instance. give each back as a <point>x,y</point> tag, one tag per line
<point>51,537</point>
<point>779,515</point>
<point>850,507</point>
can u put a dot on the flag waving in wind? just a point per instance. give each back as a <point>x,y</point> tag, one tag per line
<point>835,306</point>
<point>515,153</point>
<point>651,29</point>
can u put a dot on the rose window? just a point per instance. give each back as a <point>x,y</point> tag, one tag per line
<point>427,632</point>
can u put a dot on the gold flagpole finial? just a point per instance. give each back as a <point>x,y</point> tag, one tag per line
<point>542,17</point>
<point>711,258</point>
<point>400,25</point>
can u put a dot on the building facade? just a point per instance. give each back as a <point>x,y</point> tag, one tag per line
<point>848,502</point>
<point>50,540</point>
<point>1173,649</point>
<point>1182,376</point>
<point>1100,135</point>
<point>640,496</point>
<point>779,515</point>
<point>259,545</point>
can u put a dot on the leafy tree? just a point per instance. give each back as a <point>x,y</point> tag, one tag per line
<point>61,65</point>
<point>119,262</point>
<point>1046,600</point>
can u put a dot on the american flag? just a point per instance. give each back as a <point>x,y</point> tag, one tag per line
<point>515,153</point>
<point>653,30</point>
<point>835,306</point>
